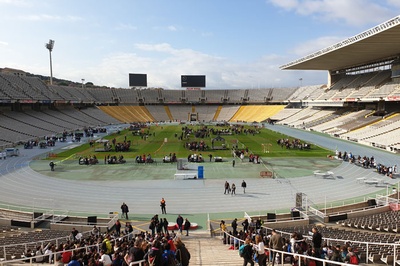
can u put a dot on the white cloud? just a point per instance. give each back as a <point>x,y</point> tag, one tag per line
<point>46,17</point>
<point>312,46</point>
<point>354,12</point>
<point>123,26</point>
<point>3,43</point>
<point>19,3</point>
<point>172,28</point>
<point>164,68</point>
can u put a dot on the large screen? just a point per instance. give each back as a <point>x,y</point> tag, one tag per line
<point>137,80</point>
<point>197,81</point>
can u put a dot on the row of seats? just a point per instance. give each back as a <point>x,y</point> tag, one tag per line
<point>387,221</point>
<point>31,88</point>
<point>377,252</point>
<point>23,126</point>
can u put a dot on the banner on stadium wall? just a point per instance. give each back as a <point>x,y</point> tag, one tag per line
<point>350,99</point>
<point>393,98</point>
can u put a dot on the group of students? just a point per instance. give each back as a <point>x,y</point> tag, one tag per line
<point>114,249</point>
<point>255,241</point>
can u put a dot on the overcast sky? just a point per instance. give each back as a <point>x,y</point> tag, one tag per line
<point>235,43</point>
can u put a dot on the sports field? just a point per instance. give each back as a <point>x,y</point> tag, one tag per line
<point>99,189</point>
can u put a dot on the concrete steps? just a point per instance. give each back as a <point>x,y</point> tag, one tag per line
<point>209,251</point>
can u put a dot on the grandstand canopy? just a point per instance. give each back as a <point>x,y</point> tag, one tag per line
<point>380,43</point>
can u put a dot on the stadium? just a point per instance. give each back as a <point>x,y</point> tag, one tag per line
<point>355,116</point>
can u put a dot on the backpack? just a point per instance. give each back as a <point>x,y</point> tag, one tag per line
<point>168,259</point>
<point>241,250</point>
<point>354,259</point>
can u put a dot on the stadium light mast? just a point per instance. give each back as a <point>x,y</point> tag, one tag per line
<point>50,47</point>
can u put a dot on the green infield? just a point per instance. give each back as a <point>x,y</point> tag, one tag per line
<point>162,140</point>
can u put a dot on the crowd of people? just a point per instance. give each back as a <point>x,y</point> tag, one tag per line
<point>115,160</point>
<point>88,160</point>
<point>195,158</point>
<point>171,158</point>
<point>253,243</point>
<point>367,162</point>
<point>144,159</point>
<point>122,146</point>
<point>293,144</point>
<point>196,145</point>
<point>117,248</point>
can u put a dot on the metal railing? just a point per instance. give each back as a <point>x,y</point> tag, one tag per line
<point>237,242</point>
<point>32,259</point>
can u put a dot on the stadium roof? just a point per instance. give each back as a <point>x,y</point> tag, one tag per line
<point>377,44</point>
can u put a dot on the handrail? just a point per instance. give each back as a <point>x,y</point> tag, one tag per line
<point>396,246</point>
<point>97,246</point>
<point>324,261</point>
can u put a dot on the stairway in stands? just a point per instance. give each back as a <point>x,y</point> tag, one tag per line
<point>209,251</point>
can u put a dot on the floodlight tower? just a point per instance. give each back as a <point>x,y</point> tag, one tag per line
<point>50,47</point>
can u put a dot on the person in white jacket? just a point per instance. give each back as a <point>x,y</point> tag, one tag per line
<point>260,249</point>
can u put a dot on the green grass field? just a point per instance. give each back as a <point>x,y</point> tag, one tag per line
<point>163,140</point>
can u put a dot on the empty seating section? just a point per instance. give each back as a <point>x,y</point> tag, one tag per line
<point>98,114</point>
<point>104,95</point>
<point>90,121</point>
<point>381,127</point>
<point>285,113</point>
<point>26,87</point>
<point>282,94</point>
<point>383,91</point>
<point>316,118</point>
<point>29,119</point>
<point>332,125</point>
<point>12,134</point>
<point>303,93</point>
<point>22,128</point>
<point>235,95</point>
<point>259,95</point>
<point>385,222</point>
<point>82,95</point>
<point>11,90</point>
<point>61,118</point>
<point>114,111</point>
<point>128,114</point>
<point>396,92</point>
<point>206,113</point>
<point>360,121</point>
<point>303,114</point>
<point>257,113</point>
<point>377,80</point>
<point>227,112</point>
<point>39,85</point>
<point>215,96</point>
<point>150,95</point>
<point>158,112</point>
<point>63,91</point>
<point>180,112</point>
<point>385,140</point>
<point>172,96</point>
<point>328,94</point>
<point>194,96</point>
